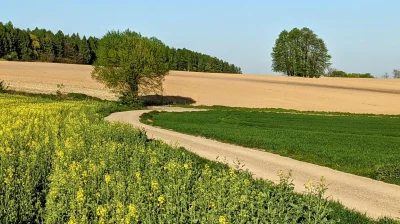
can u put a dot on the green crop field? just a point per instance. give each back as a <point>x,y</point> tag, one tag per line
<point>60,162</point>
<point>365,145</point>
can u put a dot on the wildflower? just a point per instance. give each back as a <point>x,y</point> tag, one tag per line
<point>132,211</point>
<point>223,220</point>
<point>10,176</point>
<point>186,166</point>
<point>212,205</point>
<point>154,185</point>
<point>68,144</point>
<point>153,160</point>
<point>231,172</point>
<point>281,175</point>
<point>60,154</point>
<point>84,219</point>
<point>120,207</point>
<point>107,178</point>
<point>72,221</point>
<point>80,196</point>
<point>246,182</point>
<point>8,150</point>
<point>101,211</point>
<point>53,192</point>
<point>138,177</point>
<point>161,199</point>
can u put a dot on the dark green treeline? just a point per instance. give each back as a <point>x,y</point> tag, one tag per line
<point>43,45</point>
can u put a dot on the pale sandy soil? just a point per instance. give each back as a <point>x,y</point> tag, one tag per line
<point>44,78</point>
<point>378,96</point>
<point>372,197</point>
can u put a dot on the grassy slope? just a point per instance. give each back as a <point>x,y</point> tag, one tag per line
<point>84,178</point>
<point>358,144</point>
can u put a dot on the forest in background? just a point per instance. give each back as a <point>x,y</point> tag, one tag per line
<point>43,45</point>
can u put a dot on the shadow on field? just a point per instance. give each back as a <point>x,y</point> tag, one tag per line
<point>159,100</point>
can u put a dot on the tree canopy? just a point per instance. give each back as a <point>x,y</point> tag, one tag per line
<point>300,53</point>
<point>131,64</point>
<point>332,72</point>
<point>43,45</point>
<point>396,73</point>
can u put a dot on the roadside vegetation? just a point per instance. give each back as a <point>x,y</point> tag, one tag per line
<point>366,145</point>
<point>60,162</point>
<point>3,86</point>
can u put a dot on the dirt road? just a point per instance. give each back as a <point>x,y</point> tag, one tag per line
<point>363,194</point>
<point>378,96</point>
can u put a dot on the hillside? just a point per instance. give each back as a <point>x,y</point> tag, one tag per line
<point>378,96</point>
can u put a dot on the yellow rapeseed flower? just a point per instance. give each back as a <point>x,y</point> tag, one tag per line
<point>132,211</point>
<point>60,154</point>
<point>231,172</point>
<point>22,153</point>
<point>154,185</point>
<point>72,221</point>
<point>80,195</point>
<point>161,199</point>
<point>138,176</point>
<point>120,208</point>
<point>212,205</point>
<point>107,178</point>
<point>223,220</point>
<point>101,211</point>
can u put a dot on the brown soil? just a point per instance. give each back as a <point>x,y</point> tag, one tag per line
<point>378,96</point>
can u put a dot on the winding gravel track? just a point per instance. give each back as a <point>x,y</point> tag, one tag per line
<point>373,197</point>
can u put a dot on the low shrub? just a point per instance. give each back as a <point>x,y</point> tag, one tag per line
<point>3,86</point>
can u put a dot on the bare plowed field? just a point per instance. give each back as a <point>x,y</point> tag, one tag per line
<point>378,96</point>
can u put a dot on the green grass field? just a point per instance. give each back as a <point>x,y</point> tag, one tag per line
<point>365,145</point>
<point>60,162</point>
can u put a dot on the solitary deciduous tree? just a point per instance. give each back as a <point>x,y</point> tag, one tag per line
<point>300,53</point>
<point>130,64</point>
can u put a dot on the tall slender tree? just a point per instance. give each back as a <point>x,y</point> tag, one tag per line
<point>84,51</point>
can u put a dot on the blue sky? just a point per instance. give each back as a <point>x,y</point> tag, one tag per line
<point>361,35</point>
